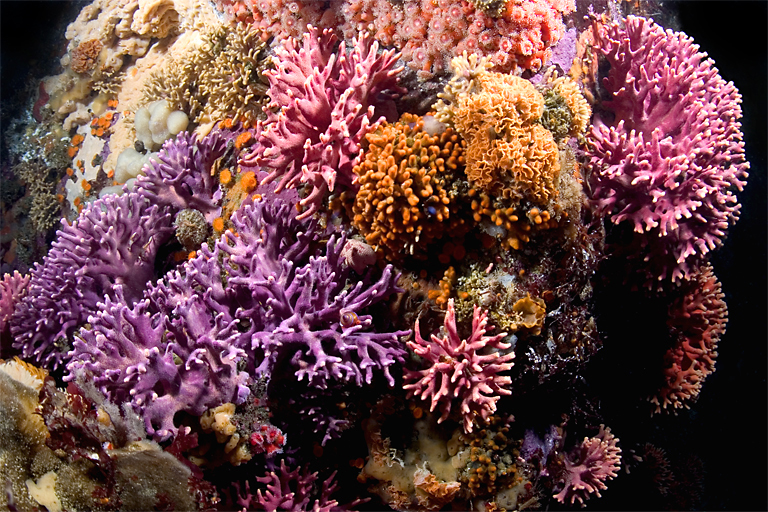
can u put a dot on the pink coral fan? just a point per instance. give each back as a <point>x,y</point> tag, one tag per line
<point>13,288</point>
<point>430,32</point>
<point>671,159</point>
<point>697,320</point>
<point>323,104</point>
<point>465,369</point>
<point>594,461</point>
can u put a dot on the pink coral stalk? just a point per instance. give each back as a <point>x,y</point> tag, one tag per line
<point>323,104</point>
<point>670,160</point>
<point>587,468</point>
<point>464,369</point>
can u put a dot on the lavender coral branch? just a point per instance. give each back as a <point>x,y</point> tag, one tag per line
<point>113,242</point>
<point>465,369</point>
<point>323,104</point>
<point>672,159</point>
<point>180,176</point>
<point>303,307</point>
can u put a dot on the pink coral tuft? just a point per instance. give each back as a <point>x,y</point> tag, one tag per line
<point>672,158</point>
<point>13,288</point>
<point>697,320</point>
<point>587,468</point>
<point>292,490</point>
<point>323,104</point>
<point>464,369</point>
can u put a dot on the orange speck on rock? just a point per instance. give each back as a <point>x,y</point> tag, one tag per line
<point>192,255</point>
<point>108,116</point>
<point>112,103</point>
<point>227,123</point>
<point>60,197</point>
<point>218,224</point>
<point>248,181</point>
<point>72,151</point>
<point>111,173</point>
<point>417,412</point>
<point>70,171</point>
<point>77,201</point>
<point>100,132</point>
<point>86,186</point>
<point>79,208</point>
<point>225,177</point>
<point>243,139</point>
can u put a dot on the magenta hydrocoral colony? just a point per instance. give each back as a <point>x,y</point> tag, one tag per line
<point>464,369</point>
<point>588,466</point>
<point>667,158</point>
<point>323,104</point>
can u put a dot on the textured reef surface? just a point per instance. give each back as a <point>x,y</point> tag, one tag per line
<point>375,255</point>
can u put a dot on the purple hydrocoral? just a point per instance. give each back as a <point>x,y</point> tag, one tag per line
<point>267,296</point>
<point>298,301</point>
<point>171,352</point>
<point>588,466</point>
<point>113,242</point>
<point>672,158</point>
<point>180,176</point>
<point>465,369</point>
<point>323,104</point>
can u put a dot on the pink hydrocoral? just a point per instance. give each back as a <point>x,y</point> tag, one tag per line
<point>594,461</point>
<point>323,104</point>
<point>697,321</point>
<point>13,288</point>
<point>672,157</point>
<point>464,369</point>
<point>292,490</point>
<point>431,32</point>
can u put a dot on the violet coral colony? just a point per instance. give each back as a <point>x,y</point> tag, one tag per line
<point>278,302</point>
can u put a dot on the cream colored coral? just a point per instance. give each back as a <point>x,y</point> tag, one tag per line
<point>156,18</point>
<point>577,104</point>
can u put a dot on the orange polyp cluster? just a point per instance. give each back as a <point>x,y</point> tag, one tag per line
<point>248,181</point>
<point>442,295</point>
<point>404,203</point>
<point>225,177</point>
<point>77,142</point>
<point>100,125</point>
<point>243,140</point>
<point>518,227</point>
<point>487,472</point>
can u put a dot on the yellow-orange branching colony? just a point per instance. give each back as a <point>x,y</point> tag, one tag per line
<point>508,152</point>
<point>405,198</point>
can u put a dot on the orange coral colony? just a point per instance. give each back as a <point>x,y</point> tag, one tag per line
<point>404,202</point>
